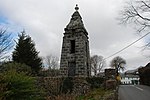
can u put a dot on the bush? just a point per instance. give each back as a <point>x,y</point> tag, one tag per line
<point>95,82</point>
<point>19,68</point>
<point>17,84</point>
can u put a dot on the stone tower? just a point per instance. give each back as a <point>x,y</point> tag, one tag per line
<point>75,57</point>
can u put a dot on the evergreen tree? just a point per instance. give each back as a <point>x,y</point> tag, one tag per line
<point>26,53</point>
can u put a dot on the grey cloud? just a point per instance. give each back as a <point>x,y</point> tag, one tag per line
<point>45,22</point>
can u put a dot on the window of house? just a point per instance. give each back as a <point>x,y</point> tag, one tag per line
<point>72,49</point>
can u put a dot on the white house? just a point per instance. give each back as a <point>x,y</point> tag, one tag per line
<point>130,79</point>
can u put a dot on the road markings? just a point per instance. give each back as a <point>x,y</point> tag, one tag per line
<point>139,88</point>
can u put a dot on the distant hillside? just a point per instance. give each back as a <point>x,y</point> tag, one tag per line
<point>134,71</point>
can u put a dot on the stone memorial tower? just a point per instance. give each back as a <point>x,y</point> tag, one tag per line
<point>75,57</point>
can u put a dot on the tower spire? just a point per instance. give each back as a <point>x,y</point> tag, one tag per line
<point>76,21</point>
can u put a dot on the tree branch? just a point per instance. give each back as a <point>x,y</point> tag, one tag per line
<point>145,4</point>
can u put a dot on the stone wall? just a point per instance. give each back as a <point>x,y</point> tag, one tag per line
<point>59,85</point>
<point>51,85</point>
<point>81,86</point>
<point>54,86</point>
<point>110,74</point>
<point>110,80</point>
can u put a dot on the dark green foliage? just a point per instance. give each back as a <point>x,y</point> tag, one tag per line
<point>26,53</point>
<point>18,86</point>
<point>19,68</point>
<point>67,85</point>
<point>95,82</point>
<point>118,63</point>
<point>144,74</point>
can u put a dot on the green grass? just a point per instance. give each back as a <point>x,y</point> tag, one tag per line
<point>95,94</point>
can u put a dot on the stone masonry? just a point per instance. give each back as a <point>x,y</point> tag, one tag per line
<point>75,57</point>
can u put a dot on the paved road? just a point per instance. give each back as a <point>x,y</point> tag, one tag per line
<point>134,92</point>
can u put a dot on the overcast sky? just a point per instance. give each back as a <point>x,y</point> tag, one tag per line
<point>45,21</point>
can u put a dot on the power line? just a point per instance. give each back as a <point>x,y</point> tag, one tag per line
<point>127,46</point>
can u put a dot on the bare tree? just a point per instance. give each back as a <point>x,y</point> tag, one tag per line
<point>137,12</point>
<point>118,63</point>
<point>52,61</point>
<point>97,63</point>
<point>5,43</point>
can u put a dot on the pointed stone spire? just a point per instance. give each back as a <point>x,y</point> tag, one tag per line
<point>76,21</point>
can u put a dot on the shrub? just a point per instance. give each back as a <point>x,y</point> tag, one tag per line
<point>95,82</point>
<point>18,86</point>
<point>19,68</point>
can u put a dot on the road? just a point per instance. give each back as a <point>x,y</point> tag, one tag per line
<point>134,92</point>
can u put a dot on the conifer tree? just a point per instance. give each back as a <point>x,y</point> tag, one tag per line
<point>26,53</point>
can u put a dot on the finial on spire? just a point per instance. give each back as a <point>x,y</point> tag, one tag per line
<point>76,8</point>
